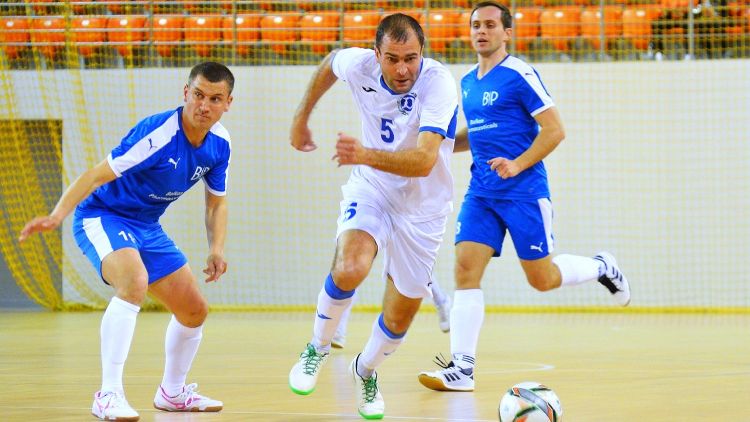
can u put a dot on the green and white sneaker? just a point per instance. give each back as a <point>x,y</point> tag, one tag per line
<point>370,402</point>
<point>304,373</point>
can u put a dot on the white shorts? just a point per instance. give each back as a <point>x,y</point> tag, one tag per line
<point>409,249</point>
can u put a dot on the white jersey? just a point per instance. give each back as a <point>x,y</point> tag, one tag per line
<point>392,122</point>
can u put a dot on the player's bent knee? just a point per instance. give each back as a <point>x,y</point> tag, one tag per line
<point>348,275</point>
<point>193,315</point>
<point>398,324</point>
<point>542,284</point>
<point>132,290</point>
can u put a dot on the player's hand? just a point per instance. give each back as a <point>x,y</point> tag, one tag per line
<point>215,267</point>
<point>37,225</point>
<point>349,150</point>
<point>301,137</point>
<point>504,167</point>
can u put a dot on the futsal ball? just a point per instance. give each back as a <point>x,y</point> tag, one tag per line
<point>530,402</point>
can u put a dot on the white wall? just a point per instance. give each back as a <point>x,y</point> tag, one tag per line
<point>654,169</point>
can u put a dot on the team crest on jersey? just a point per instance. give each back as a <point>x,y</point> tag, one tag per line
<point>406,103</point>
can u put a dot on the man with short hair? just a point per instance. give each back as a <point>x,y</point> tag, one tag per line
<point>512,125</point>
<point>397,197</point>
<point>118,204</point>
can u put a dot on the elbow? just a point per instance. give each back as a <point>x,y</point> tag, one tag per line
<point>559,136</point>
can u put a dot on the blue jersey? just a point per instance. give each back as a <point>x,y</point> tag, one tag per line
<point>155,164</point>
<point>500,109</point>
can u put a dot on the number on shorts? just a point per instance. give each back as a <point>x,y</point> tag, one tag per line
<point>126,236</point>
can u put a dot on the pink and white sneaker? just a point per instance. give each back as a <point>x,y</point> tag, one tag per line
<point>187,401</point>
<point>112,406</point>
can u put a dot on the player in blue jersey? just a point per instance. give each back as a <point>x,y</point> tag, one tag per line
<point>117,205</point>
<point>512,125</point>
<point>396,200</point>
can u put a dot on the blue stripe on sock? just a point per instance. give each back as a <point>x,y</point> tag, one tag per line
<point>335,292</point>
<point>388,332</point>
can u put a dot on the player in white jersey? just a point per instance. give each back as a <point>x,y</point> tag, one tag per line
<point>117,205</point>
<point>397,197</point>
<point>506,104</point>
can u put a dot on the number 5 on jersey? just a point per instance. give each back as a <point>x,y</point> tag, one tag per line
<point>386,130</point>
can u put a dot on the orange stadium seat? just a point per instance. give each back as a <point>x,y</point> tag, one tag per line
<point>464,26</point>
<point>39,9</point>
<point>560,25</point>
<point>360,26</point>
<point>636,24</point>
<point>736,8</point>
<point>206,7</point>
<point>116,6</point>
<point>126,32</point>
<point>280,29</point>
<point>414,13</point>
<point>319,5</point>
<point>89,33</point>
<point>400,5</point>
<point>202,33</point>
<point>739,26</point>
<point>526,26</point>
<point>248,31</point>
<point>320,30</point>
<point>14,30</point>
<point>48,33</point>
<point>441,28</point>
<point>677,4</point>
<point>167,33</point>
<point>591,20</point>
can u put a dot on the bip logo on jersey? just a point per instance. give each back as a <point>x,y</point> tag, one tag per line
<point>488,98</point>
<point>199,172</point>
<point>406,104</point>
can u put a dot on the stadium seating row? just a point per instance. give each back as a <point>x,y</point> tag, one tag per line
<point>321,30</point>
<point>230,6</point>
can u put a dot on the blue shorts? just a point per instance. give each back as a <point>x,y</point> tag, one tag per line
<point>100,234</point>
<point>485,220</point>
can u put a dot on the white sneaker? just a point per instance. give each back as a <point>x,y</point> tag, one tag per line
<point>370,404</point>
<point>304,373</point>
<point>450,378</point>
<point>339,340</point>
<point>112,406</point>
<point>613,279</point>
<point>187,401</point>
<point>444,314</point>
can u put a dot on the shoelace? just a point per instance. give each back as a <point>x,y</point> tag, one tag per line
<point>442,362</point>
<point>189,395</point>
<point>312,360</point>
<point>114,399</point>
<point>370,388</point>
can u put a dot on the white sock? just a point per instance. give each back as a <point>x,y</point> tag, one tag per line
<point>381,344</point>
<point>576,269</point>
<point>467,315</point>
<point>437,293</point>
<point>332,302</point>
<point>344,319</point>
<point>180,346</point>
<point>118,326</point>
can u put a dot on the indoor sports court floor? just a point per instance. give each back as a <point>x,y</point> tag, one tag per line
<point>605,367</point>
